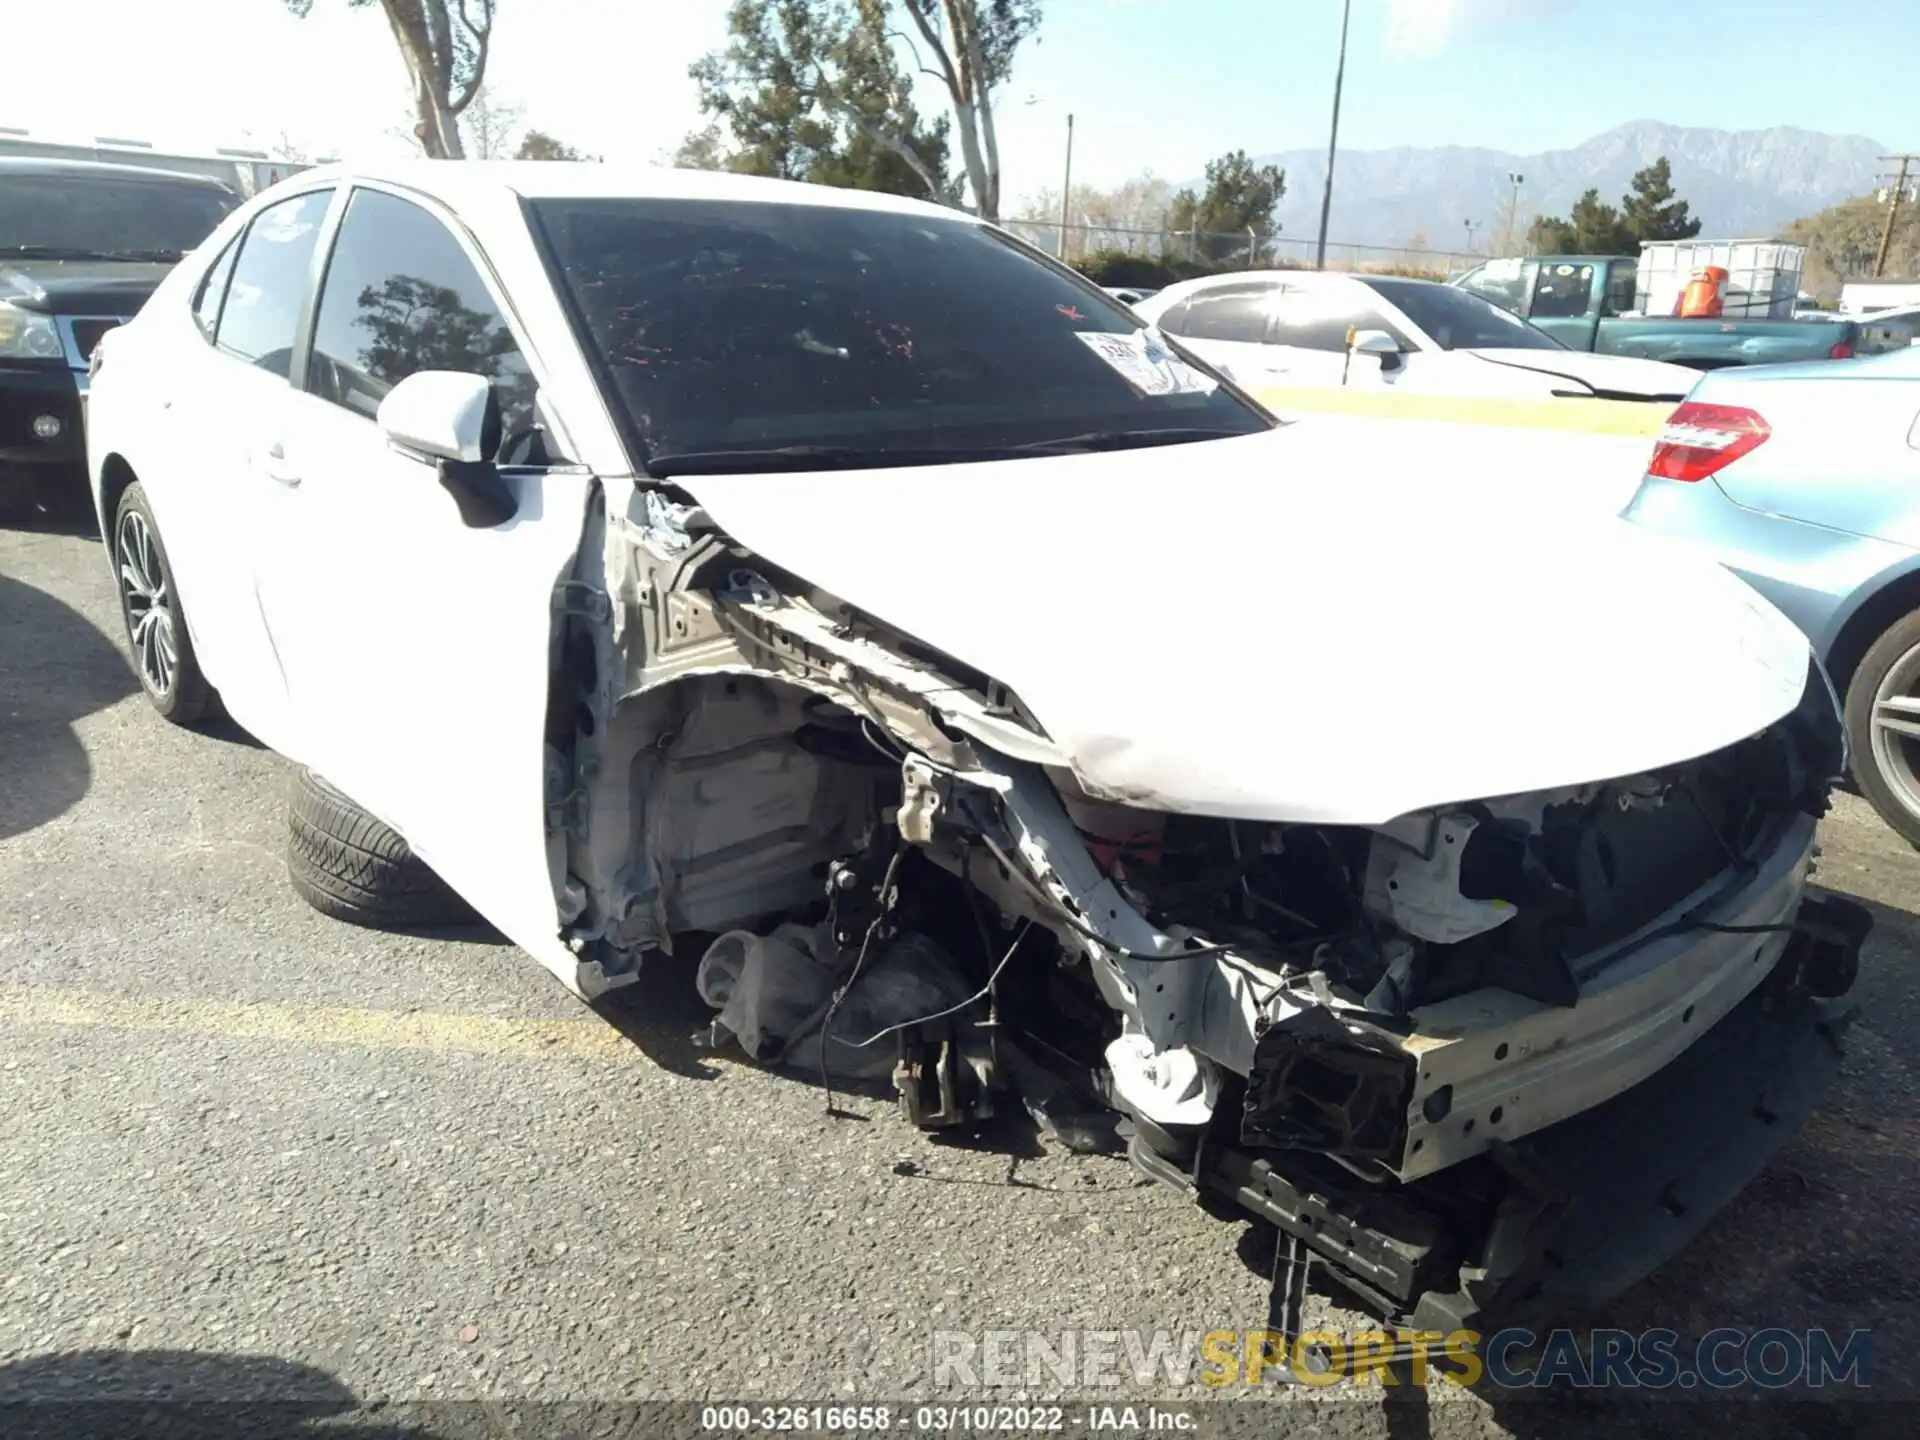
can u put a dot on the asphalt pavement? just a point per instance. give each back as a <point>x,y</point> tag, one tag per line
<point>249,1154</point>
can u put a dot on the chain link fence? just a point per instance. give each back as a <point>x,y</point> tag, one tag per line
<point>1231,250</point>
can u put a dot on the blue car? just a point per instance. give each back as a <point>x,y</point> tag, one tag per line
<point>1805,481</point>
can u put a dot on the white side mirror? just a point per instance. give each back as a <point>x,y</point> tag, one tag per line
<point>1375,342</point>
<point>442,415</point>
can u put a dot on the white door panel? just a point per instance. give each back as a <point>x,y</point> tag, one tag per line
<point>1243,361</point>
<point>227,356</point>
<point>417,653</point>
<point>1312,367</point>
<point>210,513</point>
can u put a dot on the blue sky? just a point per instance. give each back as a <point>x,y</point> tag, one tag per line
<point>1178,80</point>
<point>1153,84</point>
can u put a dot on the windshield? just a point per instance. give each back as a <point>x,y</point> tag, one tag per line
<point>55,215</point>
<point>822,334</point>
<point>1459,321</point>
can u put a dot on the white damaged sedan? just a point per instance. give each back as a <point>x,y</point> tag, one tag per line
<point>643,557</point>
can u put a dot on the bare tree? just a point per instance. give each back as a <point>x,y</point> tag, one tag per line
<point>445,45</point>
<point>971,45</point>
<point>281,146</point>
<point>1133,214</point>
<point>490,126</point>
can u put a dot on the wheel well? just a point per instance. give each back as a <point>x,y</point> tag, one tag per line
<point>1868,624</point>
<point>115,476</point>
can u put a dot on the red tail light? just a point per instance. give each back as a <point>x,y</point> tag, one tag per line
<point>1702,440</point>
<point>1841,351</point>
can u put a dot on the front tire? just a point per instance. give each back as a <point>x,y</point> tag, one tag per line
<point>350,866</point>
<point>157,638</point>
<point>1883,727</point>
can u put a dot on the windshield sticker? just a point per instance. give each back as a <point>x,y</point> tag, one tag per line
<point>1072,312</point>
<point>1145,363</point>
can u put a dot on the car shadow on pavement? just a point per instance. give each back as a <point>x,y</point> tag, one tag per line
<point>55,668</point>
<point>662,1014</point>
<point>112,1394</point>
<point>222,727</point>
<point>48,510</point>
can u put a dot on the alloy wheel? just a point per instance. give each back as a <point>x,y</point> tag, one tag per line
<point>148,602</point>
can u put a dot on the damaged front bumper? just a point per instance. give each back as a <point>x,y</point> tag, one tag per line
<point>1571,1215</point>
<point>1492,1064</point>
<point>1337,1022</point>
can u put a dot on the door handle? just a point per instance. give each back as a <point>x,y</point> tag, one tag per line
<point>275,466</point>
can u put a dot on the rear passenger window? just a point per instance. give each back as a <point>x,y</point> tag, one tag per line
<point>1235,312</point>
<point>270,282</point>
<point>213,290</point>
<point>400,296</point>
<point>1174,320</point>
<point>1622,289</point>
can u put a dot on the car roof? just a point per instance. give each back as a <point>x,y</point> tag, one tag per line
<point>99,169</point>
<point>1257,277</point>
<point>483,182</point>
<point>1305,279</point>
<point>1901,364</point>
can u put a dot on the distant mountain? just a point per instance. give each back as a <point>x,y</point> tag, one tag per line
<point>1742,184</point>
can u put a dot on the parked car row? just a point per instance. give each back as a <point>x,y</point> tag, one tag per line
<point>632,556</point>
<point>82,246</point>
<point>1387,332</point>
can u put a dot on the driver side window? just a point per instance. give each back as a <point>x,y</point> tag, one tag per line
<point>401,296</point>
<point>1323,322</point>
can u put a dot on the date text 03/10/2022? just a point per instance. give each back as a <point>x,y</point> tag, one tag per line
<point>952,1419</point>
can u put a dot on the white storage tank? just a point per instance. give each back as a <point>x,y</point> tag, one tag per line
<point>1763,276</point>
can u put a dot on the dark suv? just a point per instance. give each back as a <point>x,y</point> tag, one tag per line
<point>82,246</point>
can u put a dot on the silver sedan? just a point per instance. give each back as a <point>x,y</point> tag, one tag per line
<point>1805,480</point>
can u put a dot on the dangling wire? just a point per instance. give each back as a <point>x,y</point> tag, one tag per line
<point>859,963</point>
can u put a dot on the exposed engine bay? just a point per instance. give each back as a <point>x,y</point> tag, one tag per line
<point>891,873</point>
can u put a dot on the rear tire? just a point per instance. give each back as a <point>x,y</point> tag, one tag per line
<point>158,643</point>
<point>1885,762</point>
<point>350,866</point>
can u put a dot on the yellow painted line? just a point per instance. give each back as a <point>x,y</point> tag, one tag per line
<point>1591,417</point>
<point>312,1024</point>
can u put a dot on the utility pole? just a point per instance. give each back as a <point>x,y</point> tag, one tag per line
<point>1893,210</point>
<point>1066,190</point>
<point>1333,139</point>
<point>1513,210</point>
<point>1469,225</point>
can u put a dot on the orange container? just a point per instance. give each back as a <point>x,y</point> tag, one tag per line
<point>1704,295</point>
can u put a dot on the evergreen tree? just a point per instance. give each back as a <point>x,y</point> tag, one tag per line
<point>1651,212</point>
<point>1239,197</point>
